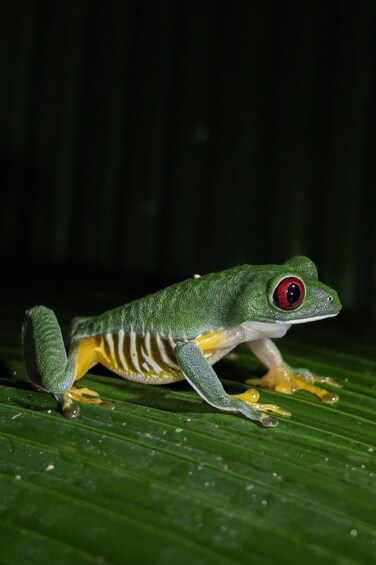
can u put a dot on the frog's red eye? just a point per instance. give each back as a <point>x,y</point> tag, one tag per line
<point>289,293</point>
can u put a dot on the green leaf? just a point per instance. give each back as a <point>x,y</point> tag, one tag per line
<point>164,478</point>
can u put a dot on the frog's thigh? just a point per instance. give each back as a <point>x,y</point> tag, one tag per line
<point>204,380</point>
<point>83,355</point>
<point>47,366</point>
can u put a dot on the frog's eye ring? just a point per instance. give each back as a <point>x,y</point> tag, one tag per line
<point>289,293</point>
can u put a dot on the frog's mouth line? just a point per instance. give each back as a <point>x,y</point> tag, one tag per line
<point>304,320</point>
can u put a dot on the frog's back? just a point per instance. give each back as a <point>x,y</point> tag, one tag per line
<point>183,311</point>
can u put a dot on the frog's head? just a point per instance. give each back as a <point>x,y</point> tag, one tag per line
<point>290,294</point>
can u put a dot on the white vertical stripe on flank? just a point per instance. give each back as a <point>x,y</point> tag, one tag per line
<point>149,355</point>
<point>110,342</point>
<point>121,355</point>
<point>162,351</point>
<point>133,352</point>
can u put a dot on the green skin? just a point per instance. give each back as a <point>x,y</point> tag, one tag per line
<point>241,297</point>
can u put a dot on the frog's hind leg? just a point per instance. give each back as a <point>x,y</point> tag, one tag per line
<point>48,367</point>
<point>84,355</point>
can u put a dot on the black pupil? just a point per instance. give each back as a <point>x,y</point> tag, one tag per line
<point>293,293</point>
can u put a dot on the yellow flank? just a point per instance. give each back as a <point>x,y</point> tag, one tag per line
<point>147,358</point>
<point>210,341</point>
<point>86,357</point>
<point>144,358</point>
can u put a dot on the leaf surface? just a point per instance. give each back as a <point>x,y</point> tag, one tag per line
<point>164,478</point>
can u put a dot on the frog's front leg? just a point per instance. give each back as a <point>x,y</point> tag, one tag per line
<point>49,368</point>
<point>283,378</point>
<point>204,380</point>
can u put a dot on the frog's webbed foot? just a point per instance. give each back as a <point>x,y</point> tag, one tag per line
<point>310,378</point>
<point>68,399</point>
<point>282,378</point>
<point>251,397</point>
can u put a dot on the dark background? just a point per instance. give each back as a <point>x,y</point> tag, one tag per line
<point>146,141</point>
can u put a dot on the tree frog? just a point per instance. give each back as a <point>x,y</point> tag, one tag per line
<point>181,331</point>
